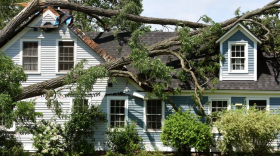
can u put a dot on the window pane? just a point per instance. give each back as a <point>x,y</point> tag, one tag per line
<point>242,48</point>
<point>260,104</point>
<point>238,48</point>
<point>154,114</point>
<point>233,54</point>
<point>66,55</point>
<point>219,106</point>
<point>233,48</point>
<point>30,56</point>
<point>117,113</point>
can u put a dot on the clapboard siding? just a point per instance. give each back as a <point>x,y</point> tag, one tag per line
<point>274,104</point>
<point>226,75</point>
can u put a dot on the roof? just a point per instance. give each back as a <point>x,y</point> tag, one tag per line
<point>62,18</point>
<point>267,75</point>
<point>248,33</point>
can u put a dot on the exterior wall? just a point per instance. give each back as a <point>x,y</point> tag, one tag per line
<point>226,74</point>
<point>135,105</point>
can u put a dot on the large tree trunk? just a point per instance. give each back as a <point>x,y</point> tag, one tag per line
<point>6,32</point>
<point>40,88</point>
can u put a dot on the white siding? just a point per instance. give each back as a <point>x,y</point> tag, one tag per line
<point>48,71</point>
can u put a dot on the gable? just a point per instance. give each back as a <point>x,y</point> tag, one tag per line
<point>239,48</point>
<point>239,37</point>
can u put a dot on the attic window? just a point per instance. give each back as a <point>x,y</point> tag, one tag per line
<point>238,57</point>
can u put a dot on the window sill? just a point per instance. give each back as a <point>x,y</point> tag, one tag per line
<point>32,73</point>
<point>153,131</point>
<point>62,72</point>
<point>238,72</point>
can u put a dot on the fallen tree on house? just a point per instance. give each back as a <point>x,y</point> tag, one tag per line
<point>194,48</point>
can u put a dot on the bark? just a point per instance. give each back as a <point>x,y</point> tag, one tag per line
<point>39,88</point>
<point>110,13</point>
<point>16,21</point>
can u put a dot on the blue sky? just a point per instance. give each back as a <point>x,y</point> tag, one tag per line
<point>218,10</point>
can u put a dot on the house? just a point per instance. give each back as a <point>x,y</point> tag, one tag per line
<point>48,47</point>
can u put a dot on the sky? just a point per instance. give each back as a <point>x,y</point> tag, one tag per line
<point>191,10</point>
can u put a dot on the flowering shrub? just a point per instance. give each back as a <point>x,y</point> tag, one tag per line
<point>48,138</point>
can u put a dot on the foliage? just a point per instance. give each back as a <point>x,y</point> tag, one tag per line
<point>139,153</point>
<point>124,140</point>
<point>184,130</point>
<point>96,23</point>
<point>8,11</point>
<point>79,130</point>
<point>48,138</point>
<point>9,146</point>
<point>248,131</point>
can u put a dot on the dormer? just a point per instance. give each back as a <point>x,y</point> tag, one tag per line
<point>239,47</point>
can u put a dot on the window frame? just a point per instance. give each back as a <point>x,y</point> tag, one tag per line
<point>109,98</point>
<point>219,99</point>
<point>258,98</point>
<point>145,116</point>
<point>234,43</point>
<point>39,55</point>
<point>57,54</point>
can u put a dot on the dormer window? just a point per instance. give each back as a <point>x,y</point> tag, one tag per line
<point>238,58</point>
<point>239,48</point>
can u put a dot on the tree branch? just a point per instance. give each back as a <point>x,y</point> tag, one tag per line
<point>110,13</point>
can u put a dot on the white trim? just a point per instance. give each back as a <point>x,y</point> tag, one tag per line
<point>258,98</point>
<point>255,61</point>
<point>236,92</point>
<point>145,117</point>
<point>57,51</point>
<point>39,54</point>
<point>25,30</point>
<point>221,63</point>
<point>237,27</point>
<point>48,12</point>
<point>246,62</point>
<point>19,35</point>
<point>135,84</point>
<point>109,98</point>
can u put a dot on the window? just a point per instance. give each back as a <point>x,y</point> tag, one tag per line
<point>154,115</point>
<point>238,57</point>
<point>219,106</point>
<point>117,113</point>
<point>260,104</point>
<point>66,55</point>
<point>30,56</point>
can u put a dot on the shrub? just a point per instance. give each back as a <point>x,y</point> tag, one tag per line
<point>47,138</point>
<point>184,130</point>
<point>247,131</point>
<point>9,145</point>
<point>124,140</point>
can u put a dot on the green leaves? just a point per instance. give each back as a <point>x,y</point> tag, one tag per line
<point>184,130</point>
<point>124,140</point>
<point>251,131</point>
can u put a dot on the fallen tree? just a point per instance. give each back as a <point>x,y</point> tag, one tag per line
<point>194,47</point>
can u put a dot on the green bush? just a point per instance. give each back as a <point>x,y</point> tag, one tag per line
<point>247,131</point>
<point>9,146</point>
<point>47,138</point>
<point>184,130</point>
<point>124,140</point>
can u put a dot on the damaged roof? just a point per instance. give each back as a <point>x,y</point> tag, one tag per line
<point>267,74</point>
